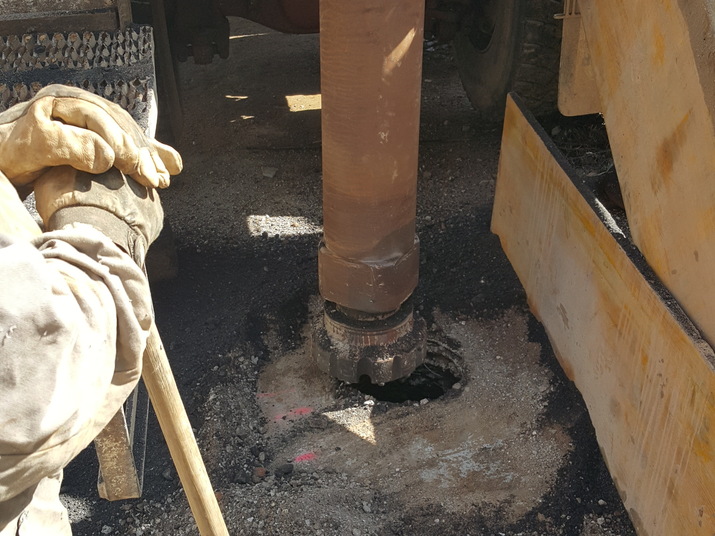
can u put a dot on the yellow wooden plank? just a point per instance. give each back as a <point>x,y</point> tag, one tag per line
<point>653,65</point>
<point>578,93</point>
<point>646,377</point>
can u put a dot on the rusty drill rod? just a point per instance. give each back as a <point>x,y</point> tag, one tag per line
<point>368,261</point>
<point>180,439</point>
<point>370,72</point>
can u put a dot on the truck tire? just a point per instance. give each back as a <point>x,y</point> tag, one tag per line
<point>509,45</point>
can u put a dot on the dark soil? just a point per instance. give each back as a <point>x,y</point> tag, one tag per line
<point>241,300</point>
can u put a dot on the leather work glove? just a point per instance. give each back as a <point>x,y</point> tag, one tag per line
<point>65,125</point>
<point>126,212</point>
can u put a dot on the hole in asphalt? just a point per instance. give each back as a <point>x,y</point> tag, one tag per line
<point>430,380</point>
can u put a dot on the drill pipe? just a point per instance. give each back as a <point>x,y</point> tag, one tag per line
<point>371,69</point>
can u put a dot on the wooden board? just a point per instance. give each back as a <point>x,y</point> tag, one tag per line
<point>653,65</point>
<point>578,93</point>
<point>647,378</point>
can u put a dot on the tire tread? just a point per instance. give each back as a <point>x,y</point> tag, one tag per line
<point>535,76</point>
<point>535,48</point>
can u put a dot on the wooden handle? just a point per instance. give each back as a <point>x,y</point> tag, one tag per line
<point>180,438</point>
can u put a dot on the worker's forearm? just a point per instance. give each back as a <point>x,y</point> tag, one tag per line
<point>73,322</point>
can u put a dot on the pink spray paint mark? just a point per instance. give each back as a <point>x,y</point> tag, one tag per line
<point>297,412</point>
<point>307,457</point>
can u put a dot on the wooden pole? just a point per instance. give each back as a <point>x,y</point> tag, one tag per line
<point>176,427</point>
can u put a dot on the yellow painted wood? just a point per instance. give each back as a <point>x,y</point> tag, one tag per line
<point>646,377</point>
<point>578,93</point>
<point>654,66</point>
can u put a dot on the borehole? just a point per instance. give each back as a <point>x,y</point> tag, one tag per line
<point>430,381</point>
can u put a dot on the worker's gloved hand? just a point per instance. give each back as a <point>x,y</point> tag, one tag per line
<point>125,211</point>
<point>64,125</point>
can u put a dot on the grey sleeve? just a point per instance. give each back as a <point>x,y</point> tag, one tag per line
<point>75,312</point>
